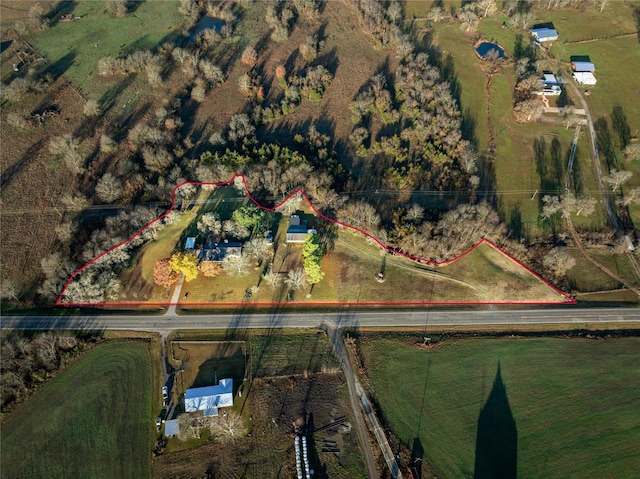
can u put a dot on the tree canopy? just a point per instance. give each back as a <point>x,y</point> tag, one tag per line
<point>185,263</point>
<point>312,257</point>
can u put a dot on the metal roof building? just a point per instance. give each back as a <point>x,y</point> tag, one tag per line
<point>583,67</point>
<point>544,34</point>
<point>171,428</point>
<point>210,398</point>
<point>214,251</point>
<point>584,78</point>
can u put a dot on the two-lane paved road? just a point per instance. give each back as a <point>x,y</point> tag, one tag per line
<point>563,315</point>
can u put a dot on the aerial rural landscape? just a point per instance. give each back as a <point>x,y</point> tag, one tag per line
<point>319,239</point>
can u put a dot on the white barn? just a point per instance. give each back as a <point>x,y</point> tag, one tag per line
<point>584,78</point>
<point>209,399</point>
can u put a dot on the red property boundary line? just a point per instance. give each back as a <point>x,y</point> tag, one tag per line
<point>567,299</point>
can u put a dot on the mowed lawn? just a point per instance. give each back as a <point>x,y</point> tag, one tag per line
<point>544,408</point>
<point>94,420</point>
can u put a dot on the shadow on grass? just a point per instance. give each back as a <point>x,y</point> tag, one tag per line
<point>213,370</point>
<point>497,436</point>
<point>60,66</point>
<point>605,143</point>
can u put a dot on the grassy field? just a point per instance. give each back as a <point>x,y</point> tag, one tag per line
<point>282,354</point>
<point>94,420</point>
<point>515,170</point>
<point>74,48</point>
<point>570,404</point>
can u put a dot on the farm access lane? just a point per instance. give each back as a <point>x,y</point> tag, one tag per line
<point>351,319</point>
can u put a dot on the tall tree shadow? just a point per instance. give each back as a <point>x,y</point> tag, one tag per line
<point>497,437</point>
<point>621,125</point>
<point>605,142</point>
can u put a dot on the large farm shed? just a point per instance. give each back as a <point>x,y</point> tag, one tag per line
<point>209,399</point>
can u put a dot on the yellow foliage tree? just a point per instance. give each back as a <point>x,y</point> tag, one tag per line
<point>185,263</point>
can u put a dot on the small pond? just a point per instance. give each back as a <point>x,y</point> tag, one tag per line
<point>205,23</point>
<point>484,48</point>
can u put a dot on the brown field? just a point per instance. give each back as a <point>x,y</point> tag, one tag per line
<point>31,183</point>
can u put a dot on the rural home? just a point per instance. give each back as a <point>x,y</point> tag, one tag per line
<point>584,78</point>
<point>218,251</point>
<point>209,399</point>
<point>297,231</point>
<point>551,86</point>
<point>544,34</point>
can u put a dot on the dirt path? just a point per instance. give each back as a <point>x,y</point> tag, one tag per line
<point>613,219</point>
<point>360,402</point>
<point>335,338</point>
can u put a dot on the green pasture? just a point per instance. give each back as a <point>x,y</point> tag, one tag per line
<point>74,48</point>
<point>517,174</point>
<point>93,420</point>
<point>584,276</point>
<point>547,408</point>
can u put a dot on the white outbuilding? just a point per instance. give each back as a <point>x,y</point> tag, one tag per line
<point>209,399</point>
<point>584,78</point>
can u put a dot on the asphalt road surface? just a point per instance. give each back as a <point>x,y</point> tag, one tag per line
<point>353,318</point>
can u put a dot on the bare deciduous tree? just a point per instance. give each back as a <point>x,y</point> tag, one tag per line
<point>66,231</point>
<point>9,290</point>
<point>228,427</point>
<point>631,152</point>
<point>198,93</point>
<point>468,18</point>
<point>91,108</point>
<point>259,248</point>
<point>296,279</point>
<point>109,188</point>
<point>272,278</point>
<point>249,56</point>
<point>618,178</point>
<point>415,213</point>
<point>209,223</point>
<point>237,265</point>
<point>107,144</point>
<point>559,260</point>
<point>74,201</point>
<point>67,149</point>
<point>240,128</point>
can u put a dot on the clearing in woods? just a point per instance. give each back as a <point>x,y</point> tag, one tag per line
<point>484,274</point>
